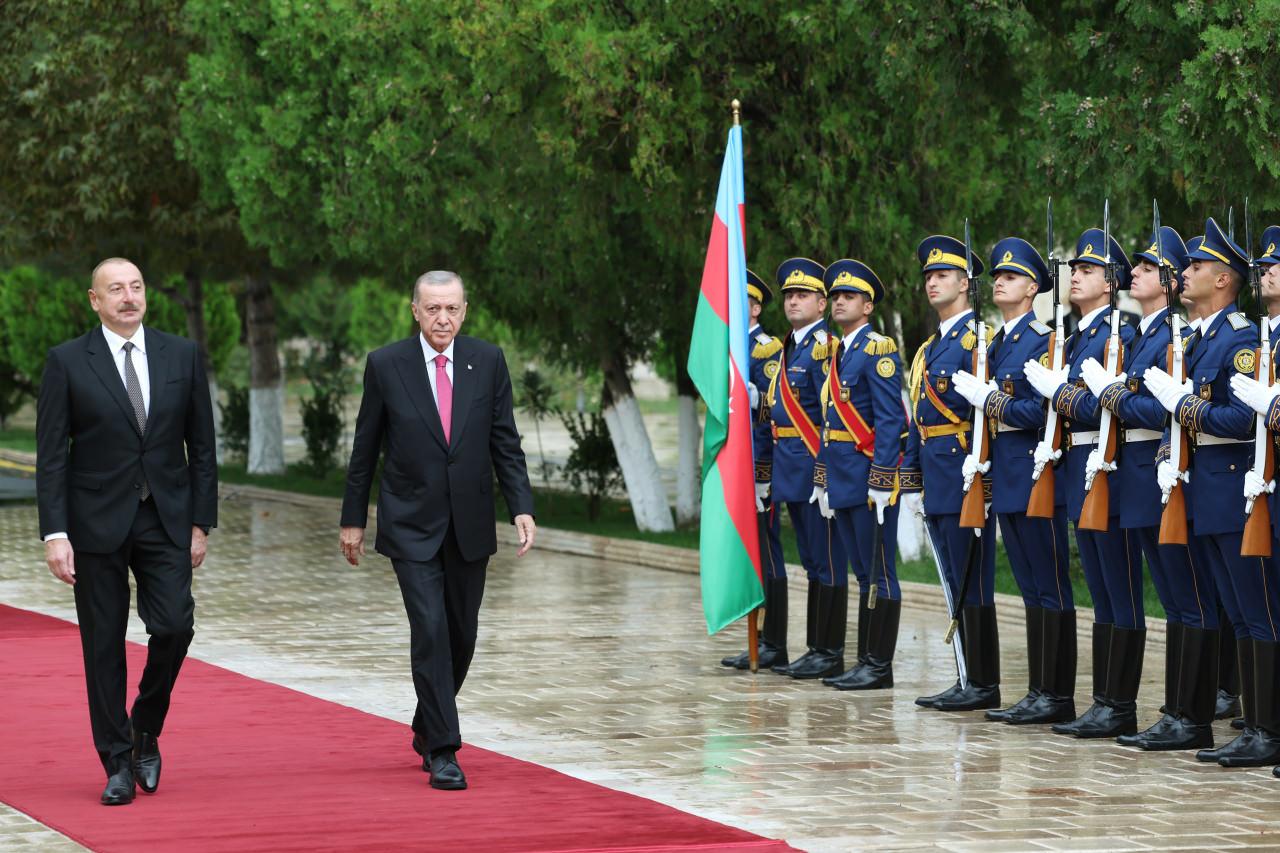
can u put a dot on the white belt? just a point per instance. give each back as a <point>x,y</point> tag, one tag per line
<point>1203,439</point>
<point>1141,435</point>
<point>1001,426</point>
<point>1082,438</point>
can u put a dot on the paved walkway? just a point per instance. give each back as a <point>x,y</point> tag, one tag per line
<point>603,670</point>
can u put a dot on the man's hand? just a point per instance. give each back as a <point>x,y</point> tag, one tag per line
<point>199,547</point>
<point>1045,381</point>
<point>972,388</point>
<point>351,541</point>
<point>1095,464</point>
<point>819,496</point>
<point>527,529</point>
<point>1255,486</point>
<point>1253,393</point>
<point>1167,477</point>
<point>971,467</point>
<point>879,499</point>
<point>61,559</point>
<point>1097,377</point>
<point>762,492</point>
<point>1163,387</point>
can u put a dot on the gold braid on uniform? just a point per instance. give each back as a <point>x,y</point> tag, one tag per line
<point>820,474</point>
<point>1190,412</point>
<point>764,472</point>
<point>766,350</point>
<point>1112,395</point>
<point>1273,416</point>
<point>1163,452</point>
<point>883,479</point>
<point>997,402</point>
<point>910,479</point>
<point>881,345</point>
<point>1067,398</point>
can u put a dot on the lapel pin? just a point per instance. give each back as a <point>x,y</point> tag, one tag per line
<point>468,367</point>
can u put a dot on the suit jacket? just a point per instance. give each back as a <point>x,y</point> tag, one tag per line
<point>91,458</point>
<point>428,484</point>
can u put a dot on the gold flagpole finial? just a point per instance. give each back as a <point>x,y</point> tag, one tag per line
<point>737,108</point>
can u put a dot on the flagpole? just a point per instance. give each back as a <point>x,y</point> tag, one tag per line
<point>756,615</point>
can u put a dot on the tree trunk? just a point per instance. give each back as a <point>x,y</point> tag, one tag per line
<point>689,437</point>
<point>635,452</point>
<point>266,386</point>
<point>199,332</point>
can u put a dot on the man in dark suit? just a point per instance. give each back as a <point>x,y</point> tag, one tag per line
<point>126,478</point>
<point>441,406</point>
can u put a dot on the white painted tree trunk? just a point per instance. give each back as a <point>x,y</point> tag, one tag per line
<point>217,416</point>
<point>688,471</point>
<point>266,430</point>
<point>639,466</point>
<point>911,533</point>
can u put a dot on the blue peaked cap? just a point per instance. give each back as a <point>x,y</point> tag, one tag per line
<point>850,276</point>
<point>1175,251</point>
<point>941,252</point>
<point>1090,250</point>
<point>1217,246</point>
<point>1013,254</point>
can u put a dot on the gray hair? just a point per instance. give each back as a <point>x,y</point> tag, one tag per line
<point>437,278</point>
<point>93,276</point>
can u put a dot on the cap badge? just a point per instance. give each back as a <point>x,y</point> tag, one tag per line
<point>935,255</point>
<point>1008,256</point>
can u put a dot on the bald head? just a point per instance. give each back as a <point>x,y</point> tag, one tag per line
<point>118,295</point>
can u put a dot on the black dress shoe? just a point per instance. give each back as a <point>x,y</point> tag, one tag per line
<point>785,668</point>
<point>1238,724</point>
<point>824,663</point>
<point>872,675</point>
<point>1262,751</point>
<point>932,701</point>
<point>446,775</point>
<point>1242,743</point>
<point>1046,709</point>
<point>972,698</point>
<point>1162,727</point>
<point>767,657</point>
<point>1109,721</point>
<point>741,660</point>
<point>1226,705</point>
<point>146,761</point>
<point>1085,719</point>
<point>1182,733</point>
<point>1001,715</point>
<point>120,788</point>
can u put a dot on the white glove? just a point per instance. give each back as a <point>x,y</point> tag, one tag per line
<point>762,492</point>
<point>913,502</point>
<point>1164,388</point>
<point>1045,455</point>
<point>972,388</point>
<point>1097,377</point>
<point>1093,465</point>
<point>879,499</point>
<point>1167,476</point>
<point>970,467</point>
<point>824,505</point>
<point>1045,381</point>
<point>1253,393</point>
<point>1254,486</point>
<point>753,394</point>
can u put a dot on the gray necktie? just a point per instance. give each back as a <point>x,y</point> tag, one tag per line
<point>134,389</point>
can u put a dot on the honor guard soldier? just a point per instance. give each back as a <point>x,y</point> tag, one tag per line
<point>861,449</point>
<point>1037,547</point>
<point>795,404</point>
<point>1181,578</point>
<point>931,478</point>
<point>1111,557</point>
<point>1222,424</point>
<point>764,363</point>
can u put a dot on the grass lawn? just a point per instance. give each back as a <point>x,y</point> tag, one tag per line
<point>18,438</point>
<point>568,511</point>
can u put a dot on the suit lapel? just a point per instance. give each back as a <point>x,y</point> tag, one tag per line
<point>103,364</point>
<point>413,373</point>
<point>463,388</point>
<point>158,371</point>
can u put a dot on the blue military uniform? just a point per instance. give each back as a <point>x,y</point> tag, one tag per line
<point>1249,586</point>
<point>861,449</point>
<point>764,351</point>
<point>1182,581</point>
<point>937,443</point>
<point>795,403</point>
<point>1037,547</point>
<point>1111,558</point>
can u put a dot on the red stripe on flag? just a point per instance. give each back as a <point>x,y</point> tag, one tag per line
<point>715,272</point>
<point>737,471</point>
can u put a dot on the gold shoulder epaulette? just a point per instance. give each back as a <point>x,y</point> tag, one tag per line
<point>766,349</point>
<point>878,344</point>
<point>1039,328</point>
<point>821,350</point>
<point>969,340</point>
<point>1237,320</point>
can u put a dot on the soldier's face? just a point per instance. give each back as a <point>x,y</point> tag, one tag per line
<point>1012,289</point>
<point>1145,284</point>
<point>1088,285</point>
<point>1199,278</point>
<point>803,307</point>
<point>1271,282</point>
<point>848,308</point>
<point>754,308</point>
<point>944,287</point>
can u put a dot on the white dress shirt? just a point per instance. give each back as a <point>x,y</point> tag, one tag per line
<point>848,339</point>
<point>947,324</point>
<point>429,353</point>
<point>1008,326</point>
<point>115,343</point>
<point>1145,322</point>
<point>798,334</point>
<point>1088,319</point>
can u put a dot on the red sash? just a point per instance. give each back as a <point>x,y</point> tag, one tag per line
<point>863,435</point>
<point>796,413</point>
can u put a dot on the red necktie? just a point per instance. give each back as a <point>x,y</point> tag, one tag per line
<point>444,395</point>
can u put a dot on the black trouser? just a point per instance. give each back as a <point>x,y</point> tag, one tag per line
<point>442,597</point>
<point>163,573</point>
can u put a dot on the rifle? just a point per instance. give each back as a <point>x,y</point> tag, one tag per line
<point>1173,518</point>
<point>1096,512</point>
<point>1256,541</point>
<point>1041,503</point>
<point>973,511</point>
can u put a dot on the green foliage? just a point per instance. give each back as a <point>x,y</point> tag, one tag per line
<point>322,412</point>
<point>235,422</point>
<point>379,315</point>
<point>537,399</point>
<point>38,311</point>
<point>592,468</point>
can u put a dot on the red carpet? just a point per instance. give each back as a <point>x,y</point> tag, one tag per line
<point>332,778</point>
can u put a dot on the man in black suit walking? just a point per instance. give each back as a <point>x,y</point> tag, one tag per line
<point>441,406</point>
<point>126,478</point>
